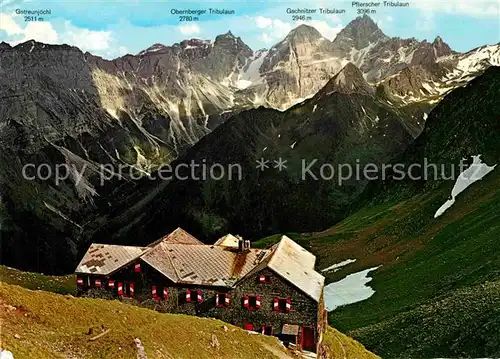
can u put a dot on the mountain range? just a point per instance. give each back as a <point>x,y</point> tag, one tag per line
<point>363,96</point>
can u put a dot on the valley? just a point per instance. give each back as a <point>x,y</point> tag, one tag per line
<point>436,285</point>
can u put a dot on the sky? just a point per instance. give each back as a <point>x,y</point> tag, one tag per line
<point>110,28</point>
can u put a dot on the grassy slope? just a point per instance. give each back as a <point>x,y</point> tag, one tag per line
<point>434,292</point>
<point>55,326</point>
<point>463,322</point>
<point>57,284</point>
<point>51,325</point>
<point>339,345</point>
<point>425,261</point>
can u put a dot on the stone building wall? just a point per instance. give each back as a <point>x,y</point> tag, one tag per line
<point>304,311</point>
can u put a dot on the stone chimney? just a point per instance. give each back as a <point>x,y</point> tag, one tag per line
<point>243,245</point>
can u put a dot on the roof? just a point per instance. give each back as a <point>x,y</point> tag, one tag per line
<point>159,258</point>
<point>290,329</point>
<point>179,236</point>
<point>106,258</point>
<point>296,265</point>
<point>183,259</point>
<point>202,264</point>
<point>227,241</point>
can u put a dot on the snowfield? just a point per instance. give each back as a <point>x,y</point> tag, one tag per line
<point>475,172</point>
<point>349,290</point>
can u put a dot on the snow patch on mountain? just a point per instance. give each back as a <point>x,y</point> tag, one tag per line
<point>476,171</point>
<point>471,63</point>
<point>339,265</point>
<point>152,49</point>
<point>250,73</point>
<point>351,289</point>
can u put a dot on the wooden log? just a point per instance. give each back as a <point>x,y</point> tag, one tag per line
<point>100,335</point>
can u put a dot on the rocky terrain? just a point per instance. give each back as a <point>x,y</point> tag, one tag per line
<point>60,106</point>
<point>348,121</point>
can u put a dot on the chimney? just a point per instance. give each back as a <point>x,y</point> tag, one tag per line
<point>241,244</point>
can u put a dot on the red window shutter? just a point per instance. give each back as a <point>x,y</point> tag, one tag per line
<point>137,268</point>
<point>245,301</point>
<point>98,283</point>
<point>188,295</point>
<point>120,288</point>
<point>248,326</point>
<point>132,288</point>
<point>276,303</point>
<point>111,283</point>
<point>200,296</point>
<point>165,293</point>
<point>79,281</point>
<point>258,302</point>
<point>288,304</point>
<point>227,300</point>
<point>153,291</point>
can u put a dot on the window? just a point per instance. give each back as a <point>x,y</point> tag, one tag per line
<point>83,281</point>
<point>252,302</point>
<point>267,330</point>
<point>264,278</point>
<point>222,299</point>
<point>282,304</point>
<point>158,292</point>
<point>137,268</point>
<point>194,295</point>
<point>128,289</point>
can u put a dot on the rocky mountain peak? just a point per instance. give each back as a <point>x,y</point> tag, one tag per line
<point>193,43</point>
<point>154,48</point>
<point>359,33</point>
<point>442,48</point>
<point>225,37</point>
<point>303,33</point>
<point>437,40</point>
<point>4,45</point>
<point>348,80</point>
<point>35,46</point>
<point>232,43</point>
